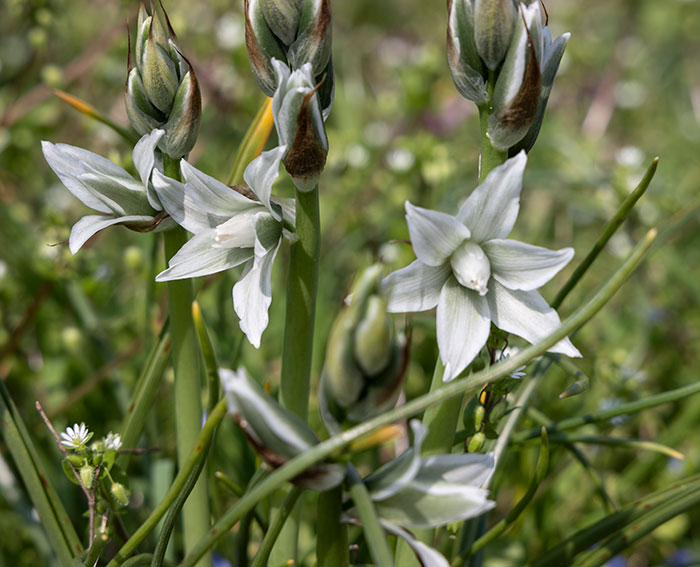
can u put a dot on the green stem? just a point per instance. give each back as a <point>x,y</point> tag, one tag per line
<point>336,444</point>
<point>610,229</point>
<point>332,535</point>
<point>196,454</point>
<point>374,534</point>
<point>188,387</point>
<point>96,547</point>
<point>302,283</point>
<point>490,157</point>
<point>276,525</point>
<point>441,420</point>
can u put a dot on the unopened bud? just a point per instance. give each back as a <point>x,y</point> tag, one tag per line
<point>494,22</point>
<point>162,89</point>
<point>299,121</point>
<point>479,415</point>
<point>476,443</point>
<point>75,460</point>
<point>463,59</point>
<point>365,361</point>
<point>517,91</point>
<point>120,493</point>
<point>87,475</point>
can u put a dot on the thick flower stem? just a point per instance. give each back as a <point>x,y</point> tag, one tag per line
<point>332,538</point>
<point>302,283</point>
<point>188,395</point>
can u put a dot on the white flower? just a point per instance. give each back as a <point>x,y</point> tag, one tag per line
<point>474,275</point>
<point>109,189</point>
<point>113,441</point>
<point>76,437</point>
<point>229,229</point>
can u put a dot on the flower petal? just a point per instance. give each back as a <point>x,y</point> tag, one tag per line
<point>252,294</point>
<point>491,209</point>
<point>415,287</point>
<point>517,265</point>
<point>200,257</point>
<point>87,226</point>
<point>427,556</point>
<point>472,469</point>
<point>434,235</point>
<point>399,472</point>
<point>144,160</point>
<point>526,314</point>
<point>261,174</point>
<point>463,325</point>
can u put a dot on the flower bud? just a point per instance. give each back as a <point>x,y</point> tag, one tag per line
<point>299,121</point>
<point>477,442</point>
<point>466,66</point>
<point>162,89</point>
<point>75,460</point>
<point>277,434</point>
<point>494,22</point>
<point>365,361</point>
<point>519,84</point>
<point>120,493</point>
<point>87,475</point>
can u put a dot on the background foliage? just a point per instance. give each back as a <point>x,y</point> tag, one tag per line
<point>75,330</point>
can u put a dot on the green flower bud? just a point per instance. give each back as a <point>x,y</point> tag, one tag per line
<point>494,23</point>
<point>120,493</point>
<point>479,414</point>
<point>476,443</point>
<point>162,89</point>
<point>466,66</point>
<point>277,434</point>
<point>87,475</point>
<point>75,460</point>
<point>365,361</point>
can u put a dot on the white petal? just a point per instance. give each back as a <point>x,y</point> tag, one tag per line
<point>261,174</point>
<point>87,226</point>
<point>463,325</point>
<point>415,287</point>
<point>122,196</point>
<point>252,295</point>
<point>471,469</point>
<point>199,257</point>
<point>526,314</point>
<point>523,266</point>
<point>434,235</point>
<point>427,556</point>
<point>144,161</point>
<point>491,210</point>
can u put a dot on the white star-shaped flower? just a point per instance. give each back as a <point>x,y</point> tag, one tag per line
<point>76,437</point>
<point>474,275</point>
<point>229,229</point>
<point>113,441</point>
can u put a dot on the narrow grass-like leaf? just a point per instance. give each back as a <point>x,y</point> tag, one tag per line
<point>208,356</point>
<point>272,533</point>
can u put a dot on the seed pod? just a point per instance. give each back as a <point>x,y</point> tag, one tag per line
<point>120,493</point>
<point>365,361</point>
<point>87,475</point>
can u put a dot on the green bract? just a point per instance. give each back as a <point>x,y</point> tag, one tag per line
<point>474,276</point>
<point>162,89</point>
<point>276,433</point>
<point>109,189</point>
<point>230,228</point>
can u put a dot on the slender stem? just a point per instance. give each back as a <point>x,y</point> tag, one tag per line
<point>302,283</point>
<point>441,420</point>
<point>610,229</point>
<point>276,524</point>
<point>188,392</point>
<point>195,455</point>
<point>374,534</point>
<point>332,535</point>
<point>336,444</point>
<point>490,157</point>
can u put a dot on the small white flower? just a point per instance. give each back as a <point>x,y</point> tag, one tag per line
<point>76,437</point>
<point>519,372</point>
<point>474,276</point>
<point>113,441</point>
<point>108,189</point>
<point>229,229</point>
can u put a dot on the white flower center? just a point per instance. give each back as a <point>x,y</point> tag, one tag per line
<point>237,232</point>
<point>471,267</point>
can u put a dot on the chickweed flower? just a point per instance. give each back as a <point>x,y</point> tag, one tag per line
<point>113,441</point>
<point>230,228</point>
<point>474,276</point>
<point>76,437</point>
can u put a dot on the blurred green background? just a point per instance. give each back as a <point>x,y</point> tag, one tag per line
<point>75,330</point>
